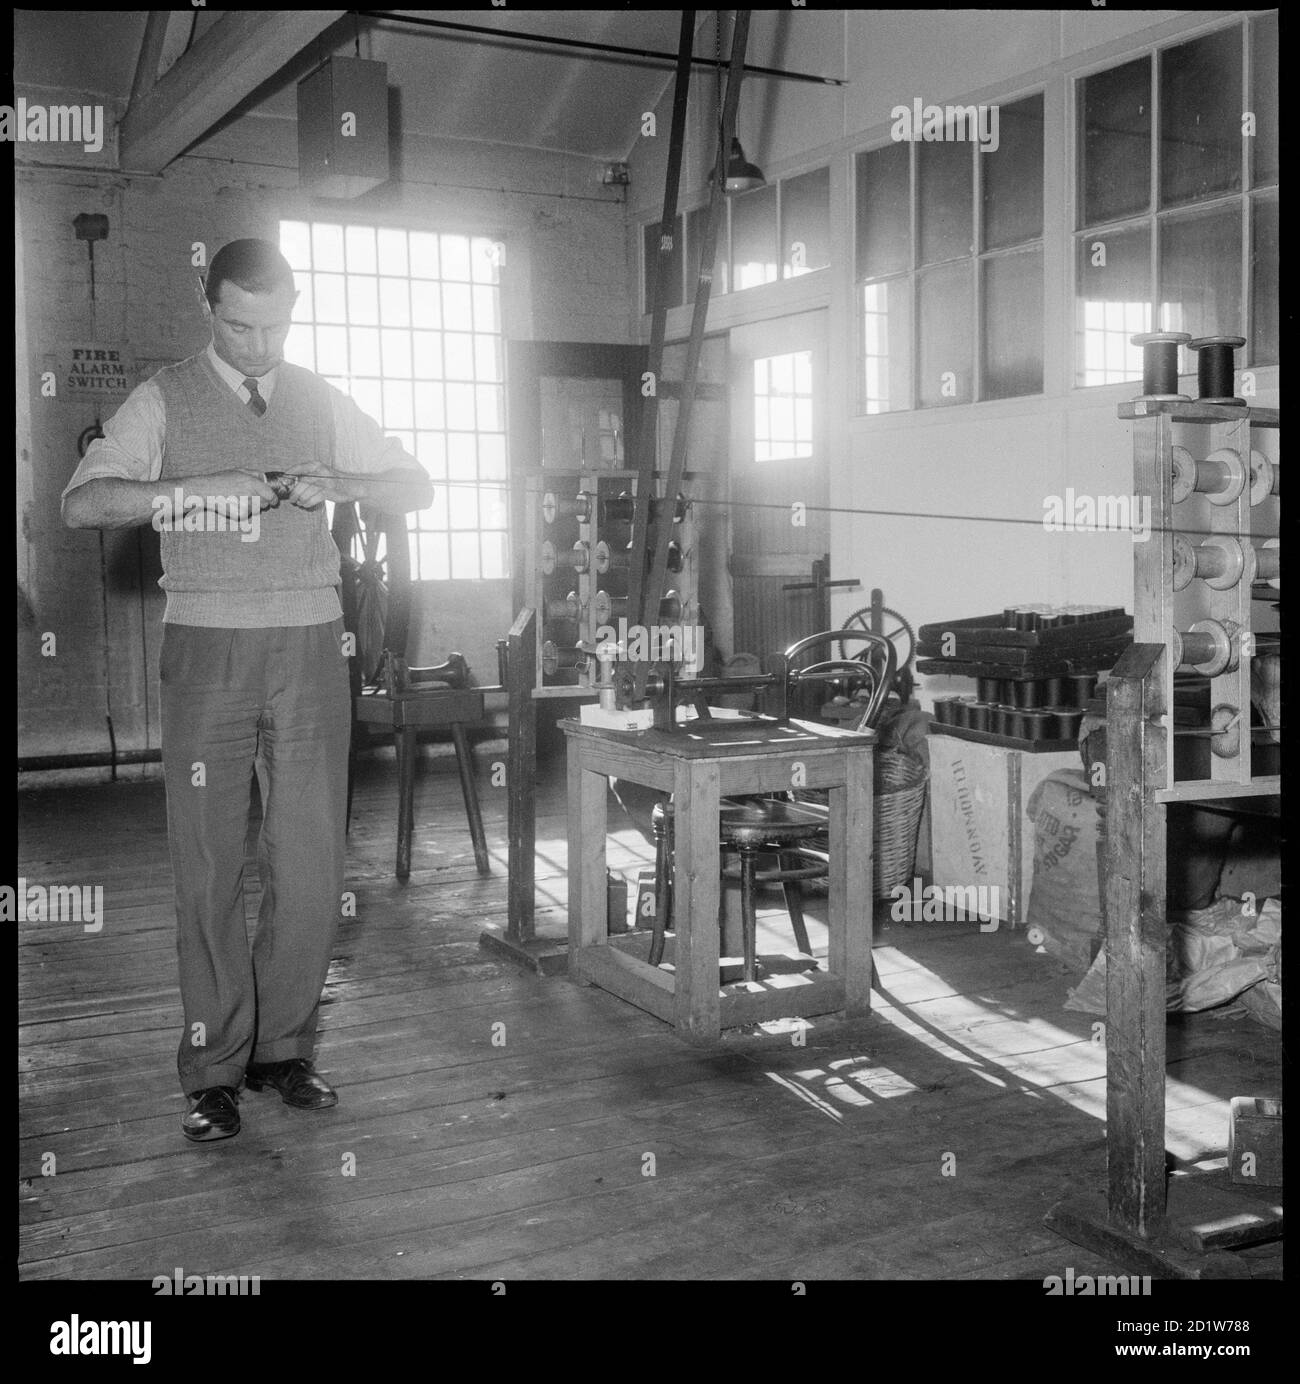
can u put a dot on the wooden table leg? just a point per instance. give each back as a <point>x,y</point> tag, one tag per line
<point>850,903</point>
<point>469,791</point>
<point>404,739</point>
<point>587,825</point>
<point>696,887</point>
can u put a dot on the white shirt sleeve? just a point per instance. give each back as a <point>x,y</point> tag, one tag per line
<point>132,446</point>
<point>361,446</point>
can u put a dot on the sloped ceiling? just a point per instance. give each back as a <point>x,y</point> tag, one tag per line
<point>456,86</point>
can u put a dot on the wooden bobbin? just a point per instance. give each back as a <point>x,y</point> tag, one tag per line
<point>1160,364</point>
<point>1225,740</point>
<point>607,608</point>
<point>1209,647</point>
<point>570,608</point>
<point>620,560</point>
<point>554,508</point>
<point>620,509</point>
<point>1214,369</point>
<point>558,658</point>
<point>1220,477</point>
<point>576,558</point>
<point>1220,561</point>
<point>1265,478</point>
<point>607,560</point>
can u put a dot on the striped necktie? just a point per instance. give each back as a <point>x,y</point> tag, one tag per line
<point>255,402</point>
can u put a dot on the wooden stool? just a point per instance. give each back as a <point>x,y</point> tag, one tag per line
<point>750,827</point>
<point>415,699</point>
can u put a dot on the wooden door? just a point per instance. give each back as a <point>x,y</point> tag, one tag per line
<point>779,483</point>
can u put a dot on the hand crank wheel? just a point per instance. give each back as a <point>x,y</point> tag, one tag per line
<point>895,628</point>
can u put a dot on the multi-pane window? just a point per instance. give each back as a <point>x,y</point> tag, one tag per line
<point>1177,199</point>
<point>783,407</point>
<point>409,324</point>
<point>776,232</point>
<point>949,246</point>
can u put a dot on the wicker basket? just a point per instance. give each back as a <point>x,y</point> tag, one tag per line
<point>900,785</point>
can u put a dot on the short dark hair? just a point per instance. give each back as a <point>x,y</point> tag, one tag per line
<point>256,266</point>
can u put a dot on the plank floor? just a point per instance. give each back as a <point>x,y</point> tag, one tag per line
<point>587,1141</point>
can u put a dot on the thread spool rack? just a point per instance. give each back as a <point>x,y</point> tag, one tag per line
<point>1205,580</point>
<point>1204,586</point>
<point>579,527</point>
<point>1211,470</point>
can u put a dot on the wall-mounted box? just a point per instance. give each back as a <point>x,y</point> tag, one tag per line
<point>343,128</point>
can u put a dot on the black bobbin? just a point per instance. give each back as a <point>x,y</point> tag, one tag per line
<point>1214,368</point>
<point>1160,364</point>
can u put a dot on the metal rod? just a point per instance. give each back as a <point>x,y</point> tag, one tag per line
<point>652,55</point>
<point>643,594</point>
<point>647,437</point>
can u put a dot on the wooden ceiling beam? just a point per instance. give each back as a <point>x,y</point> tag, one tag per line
<point>237,54</point>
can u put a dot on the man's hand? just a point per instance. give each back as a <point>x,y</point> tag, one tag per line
<point>225,483</point>
<point>310,492</point>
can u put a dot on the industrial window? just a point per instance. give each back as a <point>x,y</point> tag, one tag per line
<point>409,324</point>
<point>776,232</point>
<point>1177,199</point>
<point>783,407</point>
<point>949,258</point>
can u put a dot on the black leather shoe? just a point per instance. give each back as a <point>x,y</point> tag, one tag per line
<point>295,1080</point>
<point>214,1115</point>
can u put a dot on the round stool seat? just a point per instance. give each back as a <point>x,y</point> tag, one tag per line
<point>749,827</point>
<point>758,822</point>
<point>753,822</point>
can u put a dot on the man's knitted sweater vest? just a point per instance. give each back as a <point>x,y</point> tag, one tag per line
<point>290,574</point>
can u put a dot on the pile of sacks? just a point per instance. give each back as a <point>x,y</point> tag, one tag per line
<point>1229,951</point>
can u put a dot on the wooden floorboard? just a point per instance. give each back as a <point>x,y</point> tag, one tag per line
<point>924,1142</point>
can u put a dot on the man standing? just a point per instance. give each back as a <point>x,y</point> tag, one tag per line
<point>253,672</point>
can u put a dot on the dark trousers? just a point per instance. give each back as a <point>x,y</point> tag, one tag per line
<point>275,703</point>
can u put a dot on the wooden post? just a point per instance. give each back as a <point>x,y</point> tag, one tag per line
<point>521,774</point>
<point>518,941</point>
<point>1135,940</point>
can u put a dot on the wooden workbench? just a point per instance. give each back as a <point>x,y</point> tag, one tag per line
<point>700,763</point>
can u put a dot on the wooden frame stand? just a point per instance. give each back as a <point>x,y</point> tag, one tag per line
<point>699,765</point>
<point>1210,471</point>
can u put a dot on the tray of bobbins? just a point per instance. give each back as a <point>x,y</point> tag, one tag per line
<point>1037,715</point>
<point>1027,641</point>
